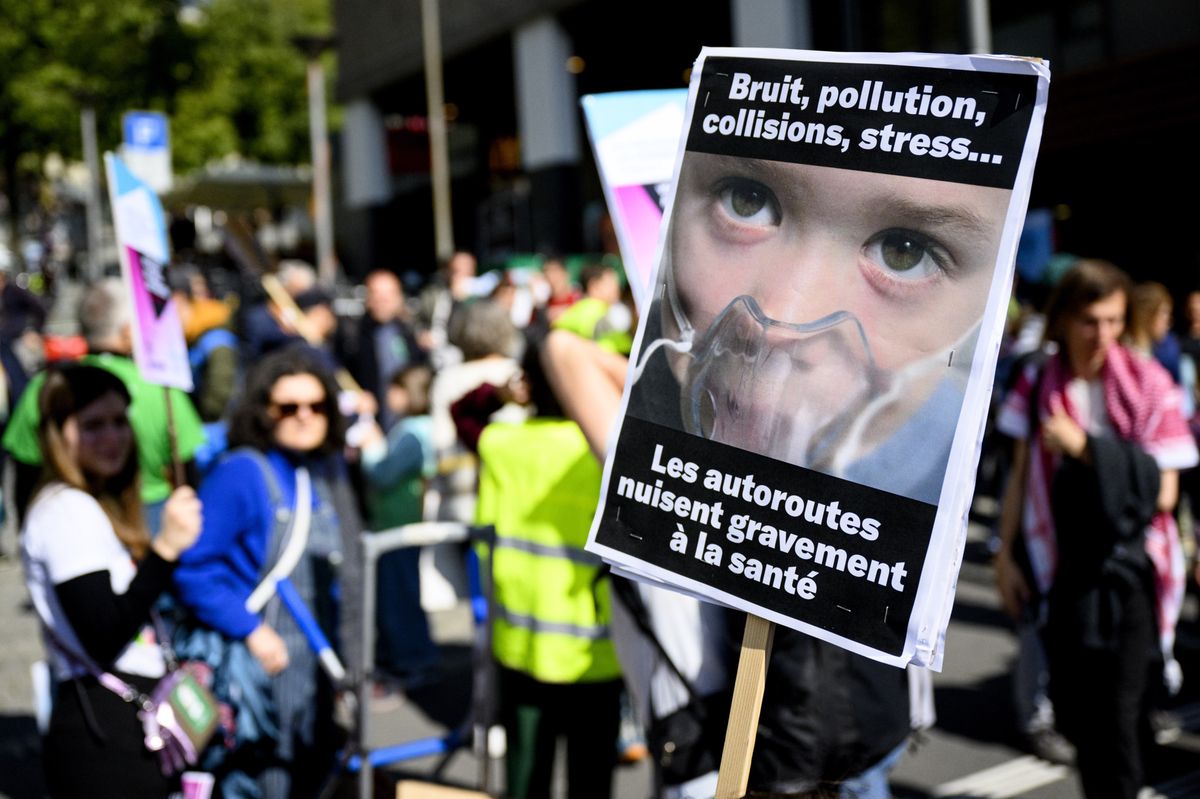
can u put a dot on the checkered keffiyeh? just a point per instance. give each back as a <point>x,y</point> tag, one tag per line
<point>1144,406</point>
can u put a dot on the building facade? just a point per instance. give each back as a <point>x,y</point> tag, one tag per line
<point>1124,108</point>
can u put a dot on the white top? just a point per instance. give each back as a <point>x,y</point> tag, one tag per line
<point>453,383</point>
<point>453,492</point>
<point>691,632</point>
<point>66,535</point>
<point>1088,398</point>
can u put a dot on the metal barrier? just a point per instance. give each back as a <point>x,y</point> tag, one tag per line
<point>374,545</point>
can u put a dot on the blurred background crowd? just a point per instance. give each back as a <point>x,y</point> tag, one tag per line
<point>305,142</point>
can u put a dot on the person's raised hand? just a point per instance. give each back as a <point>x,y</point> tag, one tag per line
<point>181,522</point>
<point>515,391</point>
<point>1063,435</point>
<point>365,404</point>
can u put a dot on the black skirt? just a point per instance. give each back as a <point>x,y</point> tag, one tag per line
<point>95,745</point>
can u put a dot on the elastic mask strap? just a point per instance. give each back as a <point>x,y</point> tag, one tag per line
<point>953,362</point>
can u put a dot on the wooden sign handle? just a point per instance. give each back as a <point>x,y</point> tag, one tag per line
<point>743,713</point>
<point>178,475</point>
<point>295,317</point>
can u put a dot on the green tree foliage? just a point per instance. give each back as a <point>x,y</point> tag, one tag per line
<point>248,93</point>
<point>114,54</point>
<point>224,70</point>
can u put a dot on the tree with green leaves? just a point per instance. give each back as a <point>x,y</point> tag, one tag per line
<point>225,71</point>
<point>111,54</point>
<point>248,94</point>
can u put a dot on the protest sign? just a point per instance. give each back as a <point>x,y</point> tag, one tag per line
<point>803,411</point>
<point>635,138</point>
<point>159,347</point>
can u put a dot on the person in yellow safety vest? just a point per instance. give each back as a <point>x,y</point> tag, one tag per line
<point>559,676</point>
<point>600,315</point>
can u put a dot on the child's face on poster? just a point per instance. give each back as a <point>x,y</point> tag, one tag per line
<point>911,258</point>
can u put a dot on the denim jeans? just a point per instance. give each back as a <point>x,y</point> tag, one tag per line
<point>873,783</point>
<point>405,646</point>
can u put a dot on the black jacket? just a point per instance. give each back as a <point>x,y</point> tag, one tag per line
<point>827,715</point>
<point>1101,511</point>
<point>363,362</point>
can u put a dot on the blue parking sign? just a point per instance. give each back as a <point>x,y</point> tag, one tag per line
<point>145,130</point>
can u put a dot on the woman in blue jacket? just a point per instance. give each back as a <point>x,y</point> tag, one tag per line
<point>285,427</point>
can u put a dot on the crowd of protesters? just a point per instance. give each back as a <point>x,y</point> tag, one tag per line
<point>487,399</point>
<point>303,429</point>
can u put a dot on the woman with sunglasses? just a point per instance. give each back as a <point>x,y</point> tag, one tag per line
<point>285,427</point>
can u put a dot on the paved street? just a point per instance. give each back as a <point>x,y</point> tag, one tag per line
<point>973,751</point>
<point>20,777</point>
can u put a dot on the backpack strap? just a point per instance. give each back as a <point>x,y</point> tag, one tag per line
<point>211,340</point>
<point>274,491</point>
<point>285,519</point>
<point>1020,547</point>
<point>626,590</point>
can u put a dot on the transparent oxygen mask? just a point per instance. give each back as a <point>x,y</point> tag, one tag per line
<point>788,391</point>
<point>808,393</point>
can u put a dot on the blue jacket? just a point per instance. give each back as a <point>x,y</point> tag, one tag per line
<point>219,572</point>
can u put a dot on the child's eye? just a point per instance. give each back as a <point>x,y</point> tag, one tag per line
<point>749,202</point>
<point>906,253</point>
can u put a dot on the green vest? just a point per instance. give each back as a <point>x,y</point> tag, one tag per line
<point>584,319</point>
<point>539,485</point>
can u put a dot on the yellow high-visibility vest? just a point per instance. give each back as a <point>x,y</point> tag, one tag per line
<point>539,485</point>
<point>584,318</point>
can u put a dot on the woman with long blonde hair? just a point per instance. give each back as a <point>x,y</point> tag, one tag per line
<point>93,574</point>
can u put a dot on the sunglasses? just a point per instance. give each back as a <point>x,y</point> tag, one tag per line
<point>284,410</point>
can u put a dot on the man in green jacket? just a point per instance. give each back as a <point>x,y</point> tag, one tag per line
<point>105,317</point>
